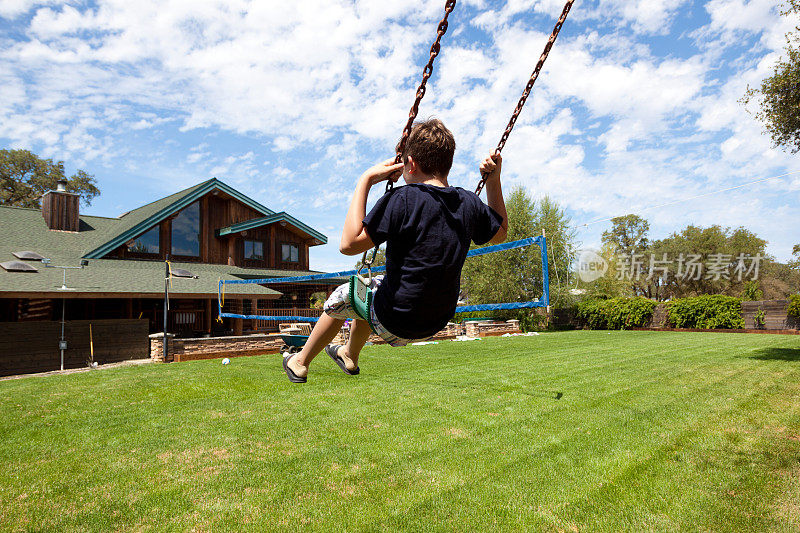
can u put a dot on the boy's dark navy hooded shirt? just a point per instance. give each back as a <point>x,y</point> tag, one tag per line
<point>427,230</point>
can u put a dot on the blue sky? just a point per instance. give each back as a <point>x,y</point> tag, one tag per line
<point>290,101</point>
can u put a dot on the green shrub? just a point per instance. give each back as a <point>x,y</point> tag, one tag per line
<point>591,312</point>
<point>751,291</point>
<point>530,320</point>
<point>793,309</point>
<point>706,312</point>
<point>616,313</point>
<point>759,318</point>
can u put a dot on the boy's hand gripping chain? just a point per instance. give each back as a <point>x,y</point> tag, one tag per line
<point>528,87</point>
<point>412,114</point>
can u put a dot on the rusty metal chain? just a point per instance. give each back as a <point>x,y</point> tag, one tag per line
<point>529,87</point>
<point>426,73</point>
<point>412,114</point>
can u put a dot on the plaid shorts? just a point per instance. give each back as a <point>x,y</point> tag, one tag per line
<point>338,306</point>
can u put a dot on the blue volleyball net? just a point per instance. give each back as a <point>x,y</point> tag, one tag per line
<point>269,301</point>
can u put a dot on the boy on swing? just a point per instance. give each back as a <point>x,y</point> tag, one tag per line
<point>427,227</point>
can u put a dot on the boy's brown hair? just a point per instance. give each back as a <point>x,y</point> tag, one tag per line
<point>432,146</point>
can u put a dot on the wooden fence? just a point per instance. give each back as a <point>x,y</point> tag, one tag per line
<point>27,347</point>
<point>773,313</point>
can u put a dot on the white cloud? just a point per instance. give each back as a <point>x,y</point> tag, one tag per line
<point>647,16</point>
<point>11,9</point>
<point>749,15</point>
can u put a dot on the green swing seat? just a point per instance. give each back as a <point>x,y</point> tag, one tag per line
<point>361,298</point>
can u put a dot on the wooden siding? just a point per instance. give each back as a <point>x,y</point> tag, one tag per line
<point>27,347</point>
<point>60,211</point>
<point>217,212</point>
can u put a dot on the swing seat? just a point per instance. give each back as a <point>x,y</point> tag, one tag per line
<point>361,298</point>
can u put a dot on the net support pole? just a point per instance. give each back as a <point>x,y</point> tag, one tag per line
<point>220,288</point>
<point>545,274</point>
<point>165,344</point>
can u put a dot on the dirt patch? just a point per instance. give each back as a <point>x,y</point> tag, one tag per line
<point>456,433</point>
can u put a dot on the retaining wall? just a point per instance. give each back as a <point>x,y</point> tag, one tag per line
<point>217,347</point>
<point>212,347</point>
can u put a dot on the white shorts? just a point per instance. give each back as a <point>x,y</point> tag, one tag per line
<point>338,306</point>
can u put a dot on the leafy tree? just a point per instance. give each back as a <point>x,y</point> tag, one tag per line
<point>692,250</point>
<point>795,262</point>
<point>678,266</point>
<point>561,248</point>
<point>516,275</point>
<point>628,238</point>
<point>25,177</point>
<point>779,94</point>
<point>610,285</point>
<point>779,280</point>
<point>628,234</point>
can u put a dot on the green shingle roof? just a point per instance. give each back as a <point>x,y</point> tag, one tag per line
<point>25,229</point>
<point>271,219</point>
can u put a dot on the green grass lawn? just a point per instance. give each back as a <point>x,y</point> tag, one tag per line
<point>654,432</point>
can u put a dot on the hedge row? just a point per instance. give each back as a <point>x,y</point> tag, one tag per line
<point>700,312</point>
<point>706,312</point>
<point>616,313</point>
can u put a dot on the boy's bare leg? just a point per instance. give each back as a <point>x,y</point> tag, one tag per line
<point>323,333</point>
<point>359,333</point>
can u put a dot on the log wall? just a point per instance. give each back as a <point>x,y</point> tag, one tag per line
<point>27,347</point>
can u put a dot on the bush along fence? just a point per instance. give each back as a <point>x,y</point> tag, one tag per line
<point>616,313</point>
<point>715,312</point>
<point>706,312</point>
<point>793,308</point>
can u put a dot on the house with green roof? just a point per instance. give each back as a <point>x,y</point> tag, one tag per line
<point>210,229</point>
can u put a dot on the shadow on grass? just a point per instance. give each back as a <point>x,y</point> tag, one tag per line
<point>776,354</point>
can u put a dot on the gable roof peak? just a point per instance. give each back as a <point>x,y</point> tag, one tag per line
<point>139,220</point>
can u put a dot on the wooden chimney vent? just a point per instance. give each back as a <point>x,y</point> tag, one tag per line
<point>60,209</point>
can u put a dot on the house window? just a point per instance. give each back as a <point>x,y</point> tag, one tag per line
<point>186,232</point>
<point>146,243</point>
<point>290,253</point>
<point>254,250</point>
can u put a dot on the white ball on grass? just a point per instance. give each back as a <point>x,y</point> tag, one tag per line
<point>226,361</point>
